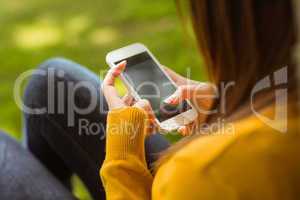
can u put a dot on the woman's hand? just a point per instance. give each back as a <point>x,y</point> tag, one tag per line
<point>115,102</point>
<point>199,93</point>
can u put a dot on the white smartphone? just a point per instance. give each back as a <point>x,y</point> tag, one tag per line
<point>146,79</point>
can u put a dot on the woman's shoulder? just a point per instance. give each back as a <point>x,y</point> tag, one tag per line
<point>250,152</point>
<point>249,134</point>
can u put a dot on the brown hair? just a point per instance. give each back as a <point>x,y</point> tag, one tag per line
<point>243,42</point>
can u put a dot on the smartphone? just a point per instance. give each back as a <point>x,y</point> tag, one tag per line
<point>146,79</point>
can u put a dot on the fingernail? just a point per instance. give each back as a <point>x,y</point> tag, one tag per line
<point>123,63</point>
<point>120,65</point>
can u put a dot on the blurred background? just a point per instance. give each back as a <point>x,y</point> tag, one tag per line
<point>84,31</point>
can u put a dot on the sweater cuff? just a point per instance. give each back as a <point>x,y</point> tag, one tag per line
<point>126,131</point>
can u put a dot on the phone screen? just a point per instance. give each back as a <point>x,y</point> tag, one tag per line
<point>149,82</point>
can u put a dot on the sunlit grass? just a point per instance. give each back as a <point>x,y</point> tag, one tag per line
<point>77,24</point>
<point>74,27</point>
<point>103,36</point>
<point>13,5</point>
<point>79,190</point>
<point>37,35</point>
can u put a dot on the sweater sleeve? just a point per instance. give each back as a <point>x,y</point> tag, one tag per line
<point>124,172</point>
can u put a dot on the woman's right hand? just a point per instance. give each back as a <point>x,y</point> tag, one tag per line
<point>114,101</point>
<point>201,95</point>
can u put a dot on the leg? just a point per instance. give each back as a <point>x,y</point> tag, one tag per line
<point>23,177</point>
<point>55,137</point>
<point>66,138</point>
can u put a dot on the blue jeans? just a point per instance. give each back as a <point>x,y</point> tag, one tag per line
<point>65,139</point>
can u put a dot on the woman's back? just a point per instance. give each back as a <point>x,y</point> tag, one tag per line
<point>253,162</point>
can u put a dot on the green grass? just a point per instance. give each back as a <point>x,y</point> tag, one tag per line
<point>34,30</point>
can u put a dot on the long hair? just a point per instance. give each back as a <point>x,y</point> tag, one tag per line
<point>297,49</point>
<point>243,42</point>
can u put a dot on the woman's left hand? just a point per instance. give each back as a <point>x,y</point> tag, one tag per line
<point>114,101</point>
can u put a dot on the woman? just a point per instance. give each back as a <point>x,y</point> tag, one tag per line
<point>248,43</point>
<point>241,42</point>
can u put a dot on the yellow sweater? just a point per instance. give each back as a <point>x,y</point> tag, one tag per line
<point>256,162</point>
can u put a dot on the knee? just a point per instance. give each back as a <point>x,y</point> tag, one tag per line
<point>46,77</point>
<point>35,94</point>
<point>56,63</point>
<point>53,78</point>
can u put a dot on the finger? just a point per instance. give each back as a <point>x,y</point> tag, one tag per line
<point>109,91</point>
<point>113,73</point>
<point>178,79</point>
<point>182,93</point>
<point>128,99</point>
<point>187,129</point>
<point>183,130</point>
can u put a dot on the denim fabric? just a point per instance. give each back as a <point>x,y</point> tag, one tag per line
<point>22,176</point>
<point>57,139</point>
